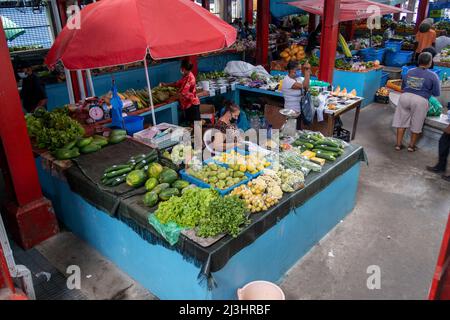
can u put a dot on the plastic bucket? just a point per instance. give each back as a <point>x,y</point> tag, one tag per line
<point>133,124</point>
<point>393,46</point>
<point>260,290</point>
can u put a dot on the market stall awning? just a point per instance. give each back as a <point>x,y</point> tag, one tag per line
<point>12,30</point>
<point>116,32</point>
<point>349,9</point>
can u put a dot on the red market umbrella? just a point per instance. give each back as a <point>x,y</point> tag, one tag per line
<point>116,32</point>
<point>349,9</point>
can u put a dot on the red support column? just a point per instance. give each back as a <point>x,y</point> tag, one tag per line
<point>422,13</point>
<point>262,33</point>
<point>328,41</point>
<point>249,11</point>
<point>397,15</point>
<point>312,22</point>
<point>29,215</point>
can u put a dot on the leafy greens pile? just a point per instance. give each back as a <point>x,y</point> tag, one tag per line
<point>205,210</point>
<point>52,130</point>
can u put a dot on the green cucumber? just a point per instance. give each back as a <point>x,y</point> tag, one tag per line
<point>84,142</point>
<point>329,143</point>
<point>307,145</point>
<point>115,181</point>
<point>90,148</point>
<point>328,148</point>
<point>120,172</point>
<point>324,155</point>
<point>116,167</point>
<point>116,139</point>
<point>118,132</point>
<point>100,142</point>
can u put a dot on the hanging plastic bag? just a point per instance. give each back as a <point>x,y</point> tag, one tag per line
<point>116,111</point>
<point>307,108</point>
<point>435,109</point>
<point>170,231</point>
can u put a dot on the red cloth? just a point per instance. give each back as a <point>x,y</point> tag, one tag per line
<point>349,9</point>
<point>187,91</point>
<point>116,32</point>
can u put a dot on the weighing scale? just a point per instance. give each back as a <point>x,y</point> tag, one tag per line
<point>289,128</point>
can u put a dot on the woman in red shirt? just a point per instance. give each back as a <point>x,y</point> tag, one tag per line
<point>187,94</point>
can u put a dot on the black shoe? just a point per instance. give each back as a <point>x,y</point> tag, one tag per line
<point>446,178</point>
<point>435,169</point>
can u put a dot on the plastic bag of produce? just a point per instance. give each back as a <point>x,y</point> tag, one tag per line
<point>435,109</point>
<point>170,231</point>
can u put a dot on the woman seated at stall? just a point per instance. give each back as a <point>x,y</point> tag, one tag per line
<point>225,135</point>
<point>242,121</point>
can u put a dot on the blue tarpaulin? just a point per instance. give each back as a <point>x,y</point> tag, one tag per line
<point>278,9</point>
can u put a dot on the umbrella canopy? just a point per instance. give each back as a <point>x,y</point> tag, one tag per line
<point>12,30</point>
<point>349,9</point>
<point>115,32</point>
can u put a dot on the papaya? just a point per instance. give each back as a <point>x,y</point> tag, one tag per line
<point>180,184</point>
<point>84,142</point>
<point>160,187</point>
<point>168,193</point>
<point>90,148</point>
<point>150,199</point>
<point>168,176</point>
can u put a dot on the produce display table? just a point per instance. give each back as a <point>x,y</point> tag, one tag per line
<point>115,222</point>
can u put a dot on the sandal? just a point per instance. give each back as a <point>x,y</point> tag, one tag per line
<point>399,147</point>
<point>412,148</point>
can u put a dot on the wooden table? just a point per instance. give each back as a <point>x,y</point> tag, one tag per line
<point>326,127</point>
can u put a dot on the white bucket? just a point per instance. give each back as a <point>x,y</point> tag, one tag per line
<point>205,85</point>
<point>260,290</point>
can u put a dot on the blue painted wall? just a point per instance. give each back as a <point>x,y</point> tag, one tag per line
<point>164,72</point>
<point>165,273</point>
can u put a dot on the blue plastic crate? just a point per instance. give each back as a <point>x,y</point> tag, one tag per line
<point>398,59</point>
<point>185,176</point>
<point>393,45</point>
<point>405,70</point>
<point>384,78</point>
<point>372,54</point>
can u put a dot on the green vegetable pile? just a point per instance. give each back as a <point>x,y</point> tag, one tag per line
<point>205,210</point>
<point>228,214</point>
<point>53,130</point>
<point>211,75</point>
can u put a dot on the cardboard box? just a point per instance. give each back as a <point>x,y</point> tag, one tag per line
<point>207,112</point>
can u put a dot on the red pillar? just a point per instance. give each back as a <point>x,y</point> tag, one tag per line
<point>312,22</point>
<point>328,40</point>
<point>262,33</point>
<point>29,215</point>
<point>422,13</point>
<point>249,11</point>
<point>397,15</point>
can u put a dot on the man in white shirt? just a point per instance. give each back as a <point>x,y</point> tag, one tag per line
<point>442,41</point>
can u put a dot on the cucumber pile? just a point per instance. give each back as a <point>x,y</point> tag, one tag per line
<point>324,147</point>
<point>117,174</point>
<point>88,145</point>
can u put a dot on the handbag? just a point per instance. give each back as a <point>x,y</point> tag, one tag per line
<point>306,108</point>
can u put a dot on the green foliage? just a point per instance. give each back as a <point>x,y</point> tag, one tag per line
<point>52,130</point>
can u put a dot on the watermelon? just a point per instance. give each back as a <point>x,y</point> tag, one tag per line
<point>136,178</point>
<point>168,176</point>
<point>151,184</point>
<point>154,170</point>
<point>150,199</point>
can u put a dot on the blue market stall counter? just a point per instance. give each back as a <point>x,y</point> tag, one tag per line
<point>116,224</point>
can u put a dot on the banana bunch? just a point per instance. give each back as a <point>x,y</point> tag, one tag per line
<point>344,46</point>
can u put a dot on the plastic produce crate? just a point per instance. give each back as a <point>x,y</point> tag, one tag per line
<point>393,45</point>
<point>398,59</point>
<point>185,176</point>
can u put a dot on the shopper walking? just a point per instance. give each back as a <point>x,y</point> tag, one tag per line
<point>187,94</point>
<point>33,93</point>
<point>418,86</point>
<point>444,148</point>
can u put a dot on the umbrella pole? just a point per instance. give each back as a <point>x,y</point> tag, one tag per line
<point>149,91</point>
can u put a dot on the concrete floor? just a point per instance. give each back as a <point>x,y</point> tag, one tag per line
<point>397,224</point>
